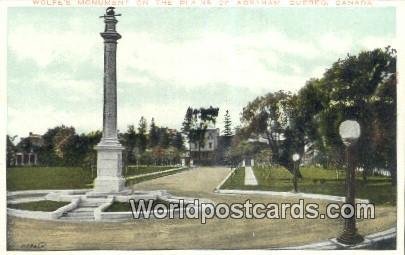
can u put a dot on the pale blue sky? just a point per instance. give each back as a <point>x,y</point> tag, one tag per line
<point>171,58</point>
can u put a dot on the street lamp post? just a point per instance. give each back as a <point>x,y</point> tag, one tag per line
<point>295,158</point>
<point>349,131</point>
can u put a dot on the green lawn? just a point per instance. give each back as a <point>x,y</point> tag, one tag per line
<point>33,178</point>
<point>134,170</point>
<point>45,206</point>
<point>315,180</point>
<point>236,180</point>
<point>27,178</point>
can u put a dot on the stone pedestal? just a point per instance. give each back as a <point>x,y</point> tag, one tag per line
<point>109,169</point>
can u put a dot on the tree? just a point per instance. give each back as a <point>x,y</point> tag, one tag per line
<point>263,157</point>
<point>311,100</point>
<point>272,116</point>
<point>227,138</point>
<point>74,150</point>
<point>186,126</point>
<point>241,150</point>
<point>142,139</point>
<point>227,124</point>
<point>146,157</point>
<point>172,155</point>
<point>61,146</point>
<point>46,154</point>
<point>11,150</point>
<point>158,154</point>
<point>164,138</point>
<point>385,124</point>
<point>153,134</point>
<point>362,88</point>
<point>69,147</point>
<point>90,154</point>
<point>62,140</point>
<point>196,122</point>
<point>177,141</point>
<point>129,140</point>
<point>55,148</point>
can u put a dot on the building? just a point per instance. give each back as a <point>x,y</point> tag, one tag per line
<point>311,155</point>
<point>206,153</point>
<point>27,150</point>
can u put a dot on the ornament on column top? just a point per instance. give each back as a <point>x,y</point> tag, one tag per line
<point>110,22</point>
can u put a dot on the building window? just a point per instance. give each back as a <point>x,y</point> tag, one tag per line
<point>210,145</point>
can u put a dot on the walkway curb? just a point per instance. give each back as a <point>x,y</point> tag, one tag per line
<point>288,194</point>
<point>154,173</point>
<point>370,241</point>
<point>42,215</point>
<point>224,180</point>
<point>281,193</point>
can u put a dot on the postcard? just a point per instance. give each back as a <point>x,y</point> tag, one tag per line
<point>202,126</point>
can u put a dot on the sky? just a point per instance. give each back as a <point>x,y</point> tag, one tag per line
<point>172,58</point>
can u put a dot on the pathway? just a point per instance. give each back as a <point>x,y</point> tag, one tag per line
<point>85,210</point>
<point>199,182</point>
<point>250,178</point>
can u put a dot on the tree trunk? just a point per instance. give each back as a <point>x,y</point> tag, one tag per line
<point>199,153</point>
<point>393,170</point>
<point>365,173</point>
<point>394,178</point>
<point>290,168</point>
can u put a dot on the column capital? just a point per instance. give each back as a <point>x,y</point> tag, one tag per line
<point>109,144</point>
<point>110,36</point>
<point>110,32</point>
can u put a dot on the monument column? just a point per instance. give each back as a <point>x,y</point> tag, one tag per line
<point>109,150</point>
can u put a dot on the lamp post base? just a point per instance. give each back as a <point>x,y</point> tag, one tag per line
<point>350,237</point>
